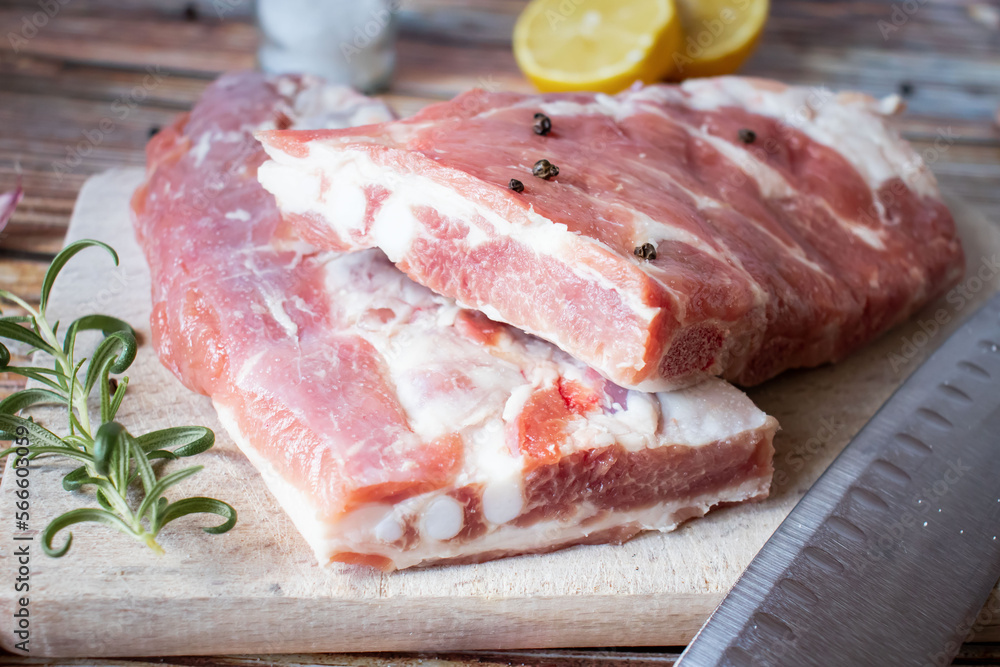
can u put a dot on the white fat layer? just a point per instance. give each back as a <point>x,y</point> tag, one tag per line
<point>276,306</point>
<point>248,368</point>
<point>649,230</point>
<point>852,124</point>
<point>710,411</point>
<point>299,507</point>
<point>295,184</point>
<point>616,107</point>
<point>773,185</point>
<point>707,412</point>
<point>239,214</point>
<point>200,150</point>
<point>446,382</point>
<point>397,229</point>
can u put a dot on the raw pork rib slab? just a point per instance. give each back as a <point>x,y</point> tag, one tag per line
<point>394,427</point>
<point>790,226</point>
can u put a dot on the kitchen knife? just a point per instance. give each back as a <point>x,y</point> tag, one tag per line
<point>890,556</point>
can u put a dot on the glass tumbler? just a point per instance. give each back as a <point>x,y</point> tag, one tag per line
<point>344,41</point>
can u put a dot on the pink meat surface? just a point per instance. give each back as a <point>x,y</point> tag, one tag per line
<point>786,246</point>
<point>394,427</point>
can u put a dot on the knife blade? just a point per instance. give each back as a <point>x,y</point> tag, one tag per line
<point>892,553</point>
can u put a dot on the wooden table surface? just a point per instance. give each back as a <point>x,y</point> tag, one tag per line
<point>136,63</point>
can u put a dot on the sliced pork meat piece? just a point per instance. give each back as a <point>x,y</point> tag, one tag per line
<point>394,427</point>
<point>729,226</point>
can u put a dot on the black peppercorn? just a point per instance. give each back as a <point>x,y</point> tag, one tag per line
<point>747,136</point>
<point>545,169</point>
<point>646,251</point>
<point>516,185</point>
<point>543,124</point>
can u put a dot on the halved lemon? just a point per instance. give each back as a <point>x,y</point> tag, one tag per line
<point>598,45</point>
<point>718,35</point>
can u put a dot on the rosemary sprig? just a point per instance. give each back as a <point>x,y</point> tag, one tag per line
<point>129,490</point>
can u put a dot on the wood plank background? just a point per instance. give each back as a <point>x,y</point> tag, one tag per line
<point>943,56</point>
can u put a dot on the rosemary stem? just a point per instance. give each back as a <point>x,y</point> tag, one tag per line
<point>151,542</point>
<point>66,364</point>
<point>82,410</point>
<point>19,301</point>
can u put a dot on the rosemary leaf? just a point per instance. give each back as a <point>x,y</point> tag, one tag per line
<point>200,505</point>
<point>143,468</point>
<point>60,260</point>
<point>103,323</point>
<point>16,332</point>
<point>29,397</point>
<point>78,516</point>
<point>116,400</point>
<point>188,440</point>
<point>162,485</point>
<point>37,434</point>
<point>35,452</point>
<point>46,376</point>
<point>109,437</point>
<point>13,298</point>
<point>115,354</point>
<point>74,480</point>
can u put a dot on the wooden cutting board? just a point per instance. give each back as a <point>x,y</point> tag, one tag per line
<point>257,589</point>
